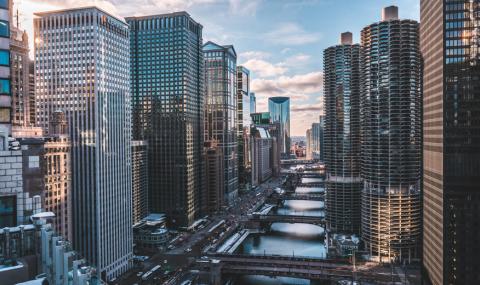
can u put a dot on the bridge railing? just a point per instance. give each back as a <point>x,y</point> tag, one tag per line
<point>280,257</point>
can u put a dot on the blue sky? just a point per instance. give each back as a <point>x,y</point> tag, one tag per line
<point>280,41</point>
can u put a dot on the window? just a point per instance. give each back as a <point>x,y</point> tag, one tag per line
<point>4,57</point>
<point>4,4</point>
<point>4,115</point>
<point>33,161</point>
<point>4,86</point>
<point>4,29</point>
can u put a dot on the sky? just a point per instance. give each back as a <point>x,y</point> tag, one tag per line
<point>281,42</point>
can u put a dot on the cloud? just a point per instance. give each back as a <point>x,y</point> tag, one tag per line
<point>247,55</point>
<point>291,34</point>
<point>244,7</point>
<point>264,68</point>
<point>300,88</point>
<point>297,60</point>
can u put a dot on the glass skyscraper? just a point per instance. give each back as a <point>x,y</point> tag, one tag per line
<point>450,45</point>
<point>244,120</point>
<point>221,109</point>
<point>342,135</point>
<point>390,104</point>
<point>253,103</point>
<point>82,67</point>
<point>279,108</point>
<point>167,82</point>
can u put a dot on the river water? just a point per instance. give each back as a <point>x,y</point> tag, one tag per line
<point>287,239</point>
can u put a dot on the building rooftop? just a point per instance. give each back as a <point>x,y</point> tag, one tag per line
<point>165,15</point>
<point>77,9</point>
<point>279,99</point>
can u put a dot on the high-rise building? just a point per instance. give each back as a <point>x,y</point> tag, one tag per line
<point>221,109</point>
<point>5,90</point>
<point>309,144</point>
<point>261,155</point>
<point>317,140</point>
<point>390,104</point>
<point>321,138</point>
<point>168,103</point>
<point>253,103</point>
<point>279,108</point>
<point>84,71</point>
<point>244,120</point>
<point>214,177</point>
<point>139,180</point>
<point>449,39</point>
<point>342,135</point>
<point>20,77</point>
<point>261,118</point>
<point>57,175</point>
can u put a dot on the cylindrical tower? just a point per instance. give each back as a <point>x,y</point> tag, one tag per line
<point>342,135</point>
<point>391,137</point>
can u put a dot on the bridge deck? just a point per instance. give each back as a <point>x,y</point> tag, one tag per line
<point>302,267</point>
<point>271,218</point>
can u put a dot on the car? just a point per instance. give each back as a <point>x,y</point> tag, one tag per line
<point>188,249</point>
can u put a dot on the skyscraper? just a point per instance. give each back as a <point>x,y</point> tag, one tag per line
<point>214,173</point>
<point>57,175</point>
<point>244,120</point>
<point>139,180</point>
<point>342,135</point>
<point>317,140</point>
<point>391,138</point>
<point>167,99</point>
<point>309,144</point>
<point>279,108</point>
<point>221,109</point>
<point>84,71</point>
<point>321,134</point>
<point>5,92</point>
<point>449,35</point>
<point>20,78</point>
<point>253,103</point>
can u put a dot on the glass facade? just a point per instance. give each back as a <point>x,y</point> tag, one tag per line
<point>279,108</point>
<point>5,57</point>
<point>342,137</point>
<point>390,104</point>
<point>451,145</point>
<point>244,120</point>
<point>82,67</point>
<point>253,103</point>
<point>167,82</point>
<point>221,109</point>
<point>261,118</point>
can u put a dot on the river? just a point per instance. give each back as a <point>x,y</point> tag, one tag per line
<point>287,239</point>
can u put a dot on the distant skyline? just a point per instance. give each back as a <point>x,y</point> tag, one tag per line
<point>280,41</point>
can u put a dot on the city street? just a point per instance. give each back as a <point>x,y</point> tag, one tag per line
<point>178,259</point>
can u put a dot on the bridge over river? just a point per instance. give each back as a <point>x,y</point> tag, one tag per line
<point>291,219</point>
<point>297,267</point>
<point>297,196</point>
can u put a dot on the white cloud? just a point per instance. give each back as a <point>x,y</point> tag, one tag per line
<point>264,68</point>
<point>302,84</point>
<point>292,34</point>
<point>297,60</point>
<point>244,7</point>
<point>247,55</point>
